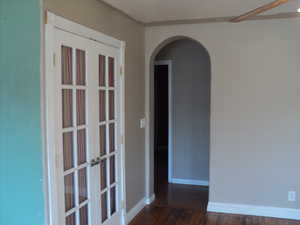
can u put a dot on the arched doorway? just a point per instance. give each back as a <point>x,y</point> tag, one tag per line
<point>180,100</point>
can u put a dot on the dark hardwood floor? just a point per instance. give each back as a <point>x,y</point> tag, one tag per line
<point>161,215</point>
<point>186,205</point>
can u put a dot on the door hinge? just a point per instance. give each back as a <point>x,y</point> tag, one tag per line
<point>56,159</point>
<point>123,205</point>
<point>46,17</point>
<point>121,70</point>
<point>54,59</point>
<point>122,139</point>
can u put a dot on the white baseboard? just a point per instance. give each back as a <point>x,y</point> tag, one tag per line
<point>148,201</point>
<point>190,182</point>
<point>254,210</point>
<point>135,210</point>
<point>138,207</point>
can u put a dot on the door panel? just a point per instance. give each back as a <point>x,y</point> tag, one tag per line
<point>73,130</point>
<point>108,121</point>
<point>87,128</point>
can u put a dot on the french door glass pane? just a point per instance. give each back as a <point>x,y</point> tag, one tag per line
<point>111,105</point>
<point>80,96</point>
<point>112,200</point>
<point>68,150</point>
<point>101,70</point>
<point>111,137</point>
<point>71,219</point>
<point>83,213</point>
<point>104,206</point>
<point>101,105</point>
<point>81,146</point>
<point>111,72</point>
<point>102,140</point>
<point>112,169</point>
<point>66,65</point>
<point>67,108</point>
<point>80,67</point>
<point>103,172</point>
<point>82,185</point>
<point>69,192</point>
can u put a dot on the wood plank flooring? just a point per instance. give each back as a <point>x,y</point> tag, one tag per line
<point>186,205</point>
<point>156,215</point>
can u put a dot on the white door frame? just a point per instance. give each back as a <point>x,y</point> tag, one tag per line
<point>56,22</point>
<point>170,122</point>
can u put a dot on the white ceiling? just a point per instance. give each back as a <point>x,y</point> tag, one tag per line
<point>161,10</point>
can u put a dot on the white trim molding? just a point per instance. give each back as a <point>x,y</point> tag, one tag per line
<point>254,210</point>
<point>170,113</point>
<point>148,201</point>
<point>83,31</point>
<point>190,182</point>
<point>135,210</point>
<point>138,208</point>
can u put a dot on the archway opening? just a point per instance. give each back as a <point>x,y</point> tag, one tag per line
<point>180,87</point>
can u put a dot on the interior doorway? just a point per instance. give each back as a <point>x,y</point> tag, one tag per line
<point>181,82</point>
<point>163,123</point>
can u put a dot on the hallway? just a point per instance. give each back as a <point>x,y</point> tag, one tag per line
<point>183,197</point>
<point>177,195</point>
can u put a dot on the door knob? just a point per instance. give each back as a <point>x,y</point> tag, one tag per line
<point>95,162</point>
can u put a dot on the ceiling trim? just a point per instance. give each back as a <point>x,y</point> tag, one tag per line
<point>286,15</point>
<point>222,19</point>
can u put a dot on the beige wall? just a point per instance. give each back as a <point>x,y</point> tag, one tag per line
<point>255,110</point>
<point>98,16</point>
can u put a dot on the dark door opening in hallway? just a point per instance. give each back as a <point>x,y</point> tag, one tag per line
<point>161,90</point>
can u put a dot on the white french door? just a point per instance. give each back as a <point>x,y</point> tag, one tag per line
<point>84,109</point>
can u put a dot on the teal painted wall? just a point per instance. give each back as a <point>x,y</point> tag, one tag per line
<point>21,167</point>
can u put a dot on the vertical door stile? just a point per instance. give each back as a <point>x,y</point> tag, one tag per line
<point>58,127</point>
<point>75,122</point>
<point>93,134</point>
<point>107,136</point>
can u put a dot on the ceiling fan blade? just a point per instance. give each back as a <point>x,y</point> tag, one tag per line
<point>259,10</point>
